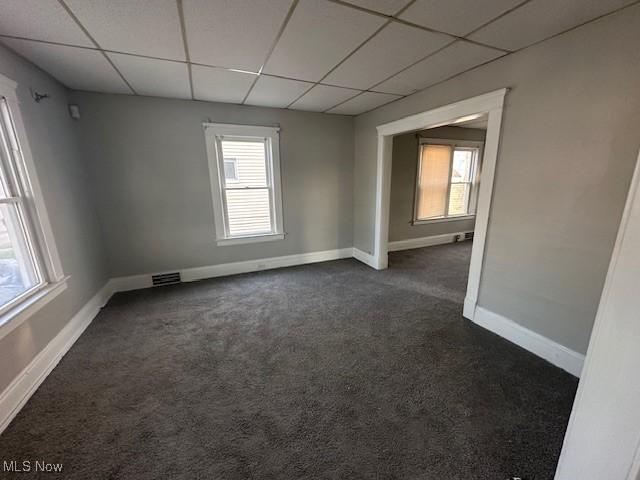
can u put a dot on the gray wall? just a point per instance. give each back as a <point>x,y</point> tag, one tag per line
<point>404,169</point>
<point>53,139</point>
<point>568,147</point>
<point>150,173</point>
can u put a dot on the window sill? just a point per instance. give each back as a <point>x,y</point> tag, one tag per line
<point>443,219</point>
<point>15,317</point>
<point>249,239</point>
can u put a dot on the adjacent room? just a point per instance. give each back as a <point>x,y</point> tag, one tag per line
<point>435,183</point>
<point>319,239</point>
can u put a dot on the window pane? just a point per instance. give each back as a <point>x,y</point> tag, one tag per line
<point>230,169</point>
<point>433,181</point>
<point>462,162</point>
<point>459,198</point>
<point>17,270</point>
<point>251,162</point>
<point>5,154</point>
<point>249,211</point>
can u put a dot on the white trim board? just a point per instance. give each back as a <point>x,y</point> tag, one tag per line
<point>135,282</point>
<point>553,352</point>
<point>420,242</point>
<point>603,435</point>
<point>364,257</point>
<point>19,391</point>
<point>491,104</point>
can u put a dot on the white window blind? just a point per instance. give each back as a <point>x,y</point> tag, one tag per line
<point>244,162</point>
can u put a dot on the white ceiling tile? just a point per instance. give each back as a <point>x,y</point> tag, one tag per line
<point>144,27</point>
<point>456,16</point>
<point>323,97</point>
<point>276,92</point>
<point>363,103</point>
<point>456,58</point>
<point>318,36</point>
<point>77,68</point>
<point>156,78</point>
<point>41,20</point>
<point>220,85</point>
<point>233,33</point>
<point>540,19</point>
<point>388,7</point>
<point>394,48</point>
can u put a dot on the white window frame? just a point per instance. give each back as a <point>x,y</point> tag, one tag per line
<point>37,223</point>
<point>271,135</point>
<point>473,194</point>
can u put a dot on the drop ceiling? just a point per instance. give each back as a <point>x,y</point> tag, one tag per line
<point>335,56</point>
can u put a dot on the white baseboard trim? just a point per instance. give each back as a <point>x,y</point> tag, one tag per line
<point>553,352</point>
<point>424,241</point>
<point>14,397</point>
<point>364,257</point>
<point>135,282</point>
<point>469,308</point>
<point>132,282</point>
<point>199,273</point>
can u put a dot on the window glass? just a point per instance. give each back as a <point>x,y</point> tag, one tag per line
<point>245,170</point>
<point>250,158</point>
<point>230,170</point>
<point>248,211</point>
<point>459,198</point>
<point>19,271</point>
<point>445,181</point>
<point>462,163</point>
<point>247,193</point>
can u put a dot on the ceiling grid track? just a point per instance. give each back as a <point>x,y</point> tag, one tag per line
<point>340,63</point>
<point>394,18</point>
<point>415,63</point>
<point>357,91</point>
<point>98,47</point>
<point>139,55</point>
<point>595,19</point>
<point>510,52</point>
<point>272,48</point>
<point>350,54</point>
<point>506,12</point>
<point>183,31</point>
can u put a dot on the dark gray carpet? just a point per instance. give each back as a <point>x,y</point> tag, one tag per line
<point>325,371</point>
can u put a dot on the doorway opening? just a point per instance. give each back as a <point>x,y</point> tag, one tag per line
<point>432,203</point>
<point>435,182</point>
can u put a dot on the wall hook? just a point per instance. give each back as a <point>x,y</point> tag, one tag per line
<point>38,96</point>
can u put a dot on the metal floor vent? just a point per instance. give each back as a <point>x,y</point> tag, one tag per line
<point>166,279</point>
<point>462,238</point>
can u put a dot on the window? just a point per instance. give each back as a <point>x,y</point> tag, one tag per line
<point>30,272</point>
<point>245,172</point>
<point>446,185</point>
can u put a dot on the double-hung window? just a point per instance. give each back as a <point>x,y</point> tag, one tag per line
<point>447,180</point>
<point>30,270</point>
<point>244,163</point>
